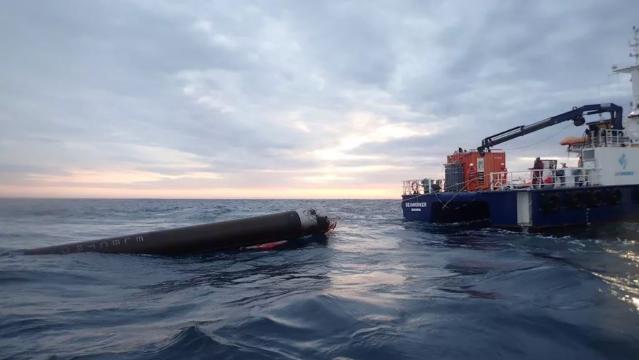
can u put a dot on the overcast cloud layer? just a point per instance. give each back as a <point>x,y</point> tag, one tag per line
<point>271,99</point>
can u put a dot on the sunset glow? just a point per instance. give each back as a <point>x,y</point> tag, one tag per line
<point>270,104</point>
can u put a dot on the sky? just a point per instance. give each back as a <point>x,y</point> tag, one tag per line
<point>288,99</point>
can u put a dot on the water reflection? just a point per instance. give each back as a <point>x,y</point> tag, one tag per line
<point>248,268</point>
<point>610,252</point>
<point>621,276</point>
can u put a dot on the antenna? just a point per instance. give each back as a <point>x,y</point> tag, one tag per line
<point>634,45</point>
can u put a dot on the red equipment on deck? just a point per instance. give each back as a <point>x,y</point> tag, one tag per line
<point>473,169</point>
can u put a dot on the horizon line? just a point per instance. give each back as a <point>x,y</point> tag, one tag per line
<point>169,198</point>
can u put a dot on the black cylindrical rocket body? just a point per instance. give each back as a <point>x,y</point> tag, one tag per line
<point>224,235</point>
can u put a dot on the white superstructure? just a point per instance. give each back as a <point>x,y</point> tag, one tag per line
<point>614,158</point>
<point>633,70</point>
<point>618,162</point>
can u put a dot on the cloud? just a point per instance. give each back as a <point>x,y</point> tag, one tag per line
<point>338,99</point>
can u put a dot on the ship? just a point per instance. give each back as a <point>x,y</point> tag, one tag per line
<point>602,187</point>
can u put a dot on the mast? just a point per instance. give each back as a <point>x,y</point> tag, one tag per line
<point>633,70</point>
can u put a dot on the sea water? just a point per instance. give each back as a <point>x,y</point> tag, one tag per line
<point>377,287</point>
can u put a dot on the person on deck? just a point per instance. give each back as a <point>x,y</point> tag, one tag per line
<point>579,178</point>
<point>561,174</point>
<point>550,180</point>
<point>538,168</point>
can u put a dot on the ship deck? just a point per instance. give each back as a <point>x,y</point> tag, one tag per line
<point>527,208</point>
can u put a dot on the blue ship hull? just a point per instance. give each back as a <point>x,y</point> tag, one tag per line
<point>533,209</point>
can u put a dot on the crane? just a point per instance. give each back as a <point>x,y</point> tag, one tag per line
<point>576,115</point>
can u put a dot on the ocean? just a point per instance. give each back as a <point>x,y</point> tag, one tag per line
<point>377,287</point>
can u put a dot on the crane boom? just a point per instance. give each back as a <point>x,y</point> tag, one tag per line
<point>576,115</point>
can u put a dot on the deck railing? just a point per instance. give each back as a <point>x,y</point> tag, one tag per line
<point>520,180</point>
<point>602,138</point>
<point>412,187</point>
<point>609,137</point>
<point>426,186</point>
<point>544,179</point>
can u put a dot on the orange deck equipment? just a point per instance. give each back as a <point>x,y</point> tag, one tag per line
<point>476,169</point>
